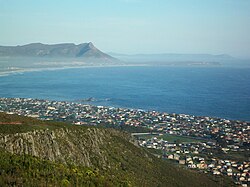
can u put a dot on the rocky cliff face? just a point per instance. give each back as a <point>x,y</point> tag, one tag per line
<point>81,155</point>
<point>81,146</point>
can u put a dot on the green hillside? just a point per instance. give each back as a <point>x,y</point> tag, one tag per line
<point>39,153</point>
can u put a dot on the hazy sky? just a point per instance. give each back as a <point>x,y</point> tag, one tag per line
<point>131,26</point>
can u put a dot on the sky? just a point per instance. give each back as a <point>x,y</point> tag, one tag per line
<point>131,26</point>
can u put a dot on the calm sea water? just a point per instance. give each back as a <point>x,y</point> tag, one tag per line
<point>219,92</point>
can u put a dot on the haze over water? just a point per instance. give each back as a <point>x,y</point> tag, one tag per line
<point>215,91</point>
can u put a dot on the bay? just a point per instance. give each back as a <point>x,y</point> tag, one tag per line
<point>204,91</point>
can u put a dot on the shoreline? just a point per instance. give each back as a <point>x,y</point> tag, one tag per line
<point>124,108</point>
<point>24,70</point>
<point>21,70</point>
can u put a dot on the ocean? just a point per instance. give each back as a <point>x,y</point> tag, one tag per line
<point>203,91</point>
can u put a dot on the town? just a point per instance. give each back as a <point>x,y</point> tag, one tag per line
<point>208,144</point>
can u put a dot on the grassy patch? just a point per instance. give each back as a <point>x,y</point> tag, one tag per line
<point>170,138</point>
<point>175,138</point>
<point>11,124</point>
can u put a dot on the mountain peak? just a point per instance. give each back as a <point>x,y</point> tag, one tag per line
<point>91,45</point>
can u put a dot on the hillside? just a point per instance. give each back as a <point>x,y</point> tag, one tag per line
<point>42,153</point>
<point>55,50</point>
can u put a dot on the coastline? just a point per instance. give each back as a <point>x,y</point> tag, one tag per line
<point>73,65</point>
<point>24,70</point>
<point>92,105</point>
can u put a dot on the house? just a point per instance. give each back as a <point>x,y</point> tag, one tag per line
<point>182,162</point>
<point>192,166</point>
<point>202,166</point>
<point>242,178</point>
<point>171,157</point>
<point>176,157</point>
<point>216,172</point>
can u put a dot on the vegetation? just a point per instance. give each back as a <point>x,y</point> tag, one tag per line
<point>239,156</point>
<point>127,128</point>
<point>10,124</point>
<point>170,138</point>
<point>26,170</point>
<point>113,160</point>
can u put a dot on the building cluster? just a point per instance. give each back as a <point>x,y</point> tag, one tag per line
<point>222,136</point>
<point>199,155</point>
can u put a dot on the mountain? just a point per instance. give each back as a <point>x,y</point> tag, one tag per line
<point>66,50</point>
<point>176,59</point>
<point>41,153</point>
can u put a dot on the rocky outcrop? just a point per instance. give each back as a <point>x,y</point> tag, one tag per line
<point>81,146</point>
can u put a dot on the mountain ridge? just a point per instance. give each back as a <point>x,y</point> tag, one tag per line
<point>67,50</point>
<point>173,57</point>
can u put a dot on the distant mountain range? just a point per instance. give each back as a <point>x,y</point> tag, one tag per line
<point>65,50</point>
<point>174,58</point>
<point>38,55</point>
<point>88,50</point>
